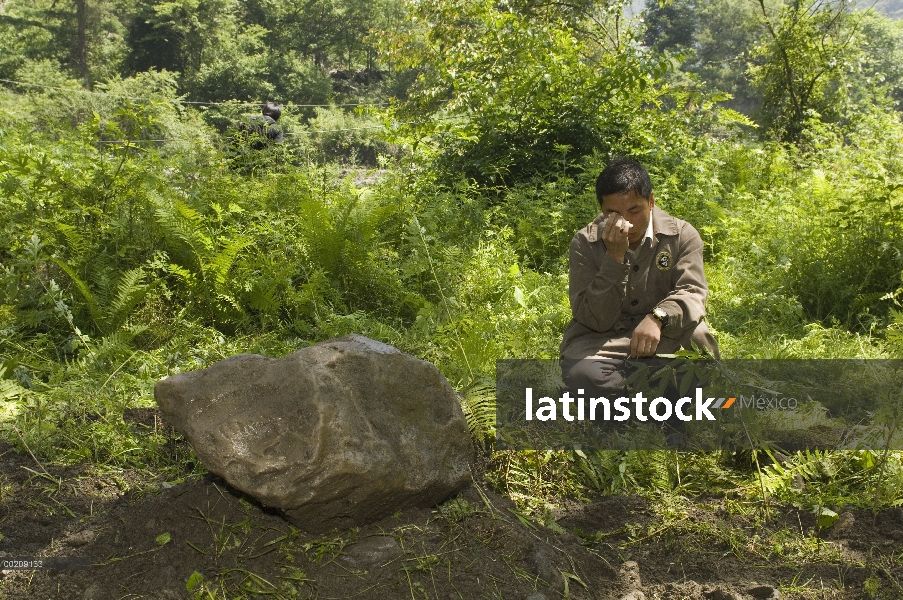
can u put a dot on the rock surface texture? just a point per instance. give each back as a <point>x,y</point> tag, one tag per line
<point>338,434</point>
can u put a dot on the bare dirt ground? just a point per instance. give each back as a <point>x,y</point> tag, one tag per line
<point>145,538</point>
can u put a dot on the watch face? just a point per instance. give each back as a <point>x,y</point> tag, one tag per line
<point>660,314</point>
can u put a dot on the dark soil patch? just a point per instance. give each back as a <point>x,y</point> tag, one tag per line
<point>149,539</point>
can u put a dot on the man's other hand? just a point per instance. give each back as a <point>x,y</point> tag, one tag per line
<point>645,337</point>
<point>614,234</point>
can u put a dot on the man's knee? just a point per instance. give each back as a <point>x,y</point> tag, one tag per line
<point>702,338</point>
<point>597,374</point>
<point>699,338</point>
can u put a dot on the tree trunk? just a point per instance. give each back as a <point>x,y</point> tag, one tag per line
<point>80,52</point>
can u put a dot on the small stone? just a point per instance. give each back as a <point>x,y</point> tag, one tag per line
<point>629,575</point>
<point>372,552</point>
<point>81,538</point>
<point>542,563</point>
<point>634,595</point>
<point>763,592</point>
<point>720,593</point>
<point>845,522</point>
<point>95,590</point>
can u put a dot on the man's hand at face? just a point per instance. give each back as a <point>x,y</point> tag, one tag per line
<point>614,234</point>
<point>645,337</point>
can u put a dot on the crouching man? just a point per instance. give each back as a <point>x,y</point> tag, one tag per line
<point>636,283</point>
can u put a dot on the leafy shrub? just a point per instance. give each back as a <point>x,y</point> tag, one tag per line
<point>352,138</point>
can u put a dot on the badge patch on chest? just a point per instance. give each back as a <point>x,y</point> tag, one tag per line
<point>663,260</point>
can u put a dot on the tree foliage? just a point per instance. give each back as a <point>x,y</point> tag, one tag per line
<point>514,90</point>
<point>220,49</point>
<point>782,58</point>
<point>805,61</point>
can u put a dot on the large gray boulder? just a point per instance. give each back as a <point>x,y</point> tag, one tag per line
<point>341,433</point>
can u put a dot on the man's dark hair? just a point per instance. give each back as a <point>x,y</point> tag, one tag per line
<point>272,110</point>
<point>623,175</point>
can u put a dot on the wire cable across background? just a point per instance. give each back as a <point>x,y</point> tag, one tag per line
<point>190,102</point>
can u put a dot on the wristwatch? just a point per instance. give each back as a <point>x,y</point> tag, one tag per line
<point>660,314</point>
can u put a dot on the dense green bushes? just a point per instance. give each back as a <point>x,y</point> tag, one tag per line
<point>137,240</point>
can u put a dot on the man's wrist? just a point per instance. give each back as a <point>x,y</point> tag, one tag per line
<point>659,315</point>
<point>655,321</point>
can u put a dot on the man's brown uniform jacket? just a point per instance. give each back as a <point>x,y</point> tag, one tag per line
<point>609,299</point>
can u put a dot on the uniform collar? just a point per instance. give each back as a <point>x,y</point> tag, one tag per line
<point>662,223</point>
<point>649,231</point>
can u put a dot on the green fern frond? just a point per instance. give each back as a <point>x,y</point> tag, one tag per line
<point>478,404</point>
<point>775,478</point>
<point>182,224</point>
<point>82,287</point>
<point>188,213</point>
<point>108,315</point>
<point>809,464</point>
<point>116,345</point>
<point>130,290</point>
<point>181,273</point>
<point>863,301</point>
<point>223,261</point>
<point>232,301</point>
<point>102,278</point>
<point>263,298</point>
<point>658,465</point>
<point>75,242</point>
<point>604,470</point>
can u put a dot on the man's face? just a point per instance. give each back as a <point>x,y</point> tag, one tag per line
<point>634,208</point>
